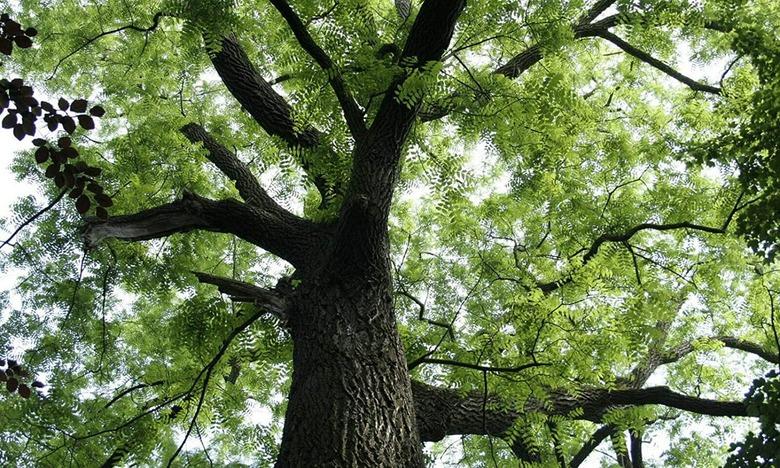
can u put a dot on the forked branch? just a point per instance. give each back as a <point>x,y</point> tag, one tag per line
<point>352,112</point>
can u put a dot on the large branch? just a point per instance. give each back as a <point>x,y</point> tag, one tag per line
<point>523,61</point>
<point>598,8</point>
<point>590,445</point>
<point>687,347</point>
<point>442,412</point>
<point>658,64</point>
<point>286,236</point>
<point>265,105</point>
<point>257,96</point>
<point>352,112</point>
<point>272,300</point>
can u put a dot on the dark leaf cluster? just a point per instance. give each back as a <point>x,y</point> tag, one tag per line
<point>22,111</point>
<point>11,33</point>
<point>17,378</point>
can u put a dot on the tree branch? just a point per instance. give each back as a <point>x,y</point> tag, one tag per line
<point>246,183</point>
<point>271,300</point>
<point>675,354</point>
<point>590,445</point>
<point>286,236</point>
<point>264,104</point>
<point>352,112</point>
<point>598,8</point>
<point>441,412</point>
<point>375,168</point>
<point>628,234</point>
<point>655,63</point>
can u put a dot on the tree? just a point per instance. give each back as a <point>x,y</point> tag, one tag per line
<point>494,219</point>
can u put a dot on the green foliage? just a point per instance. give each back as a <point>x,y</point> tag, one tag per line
<point>762,449</point>
<point>502,197</point>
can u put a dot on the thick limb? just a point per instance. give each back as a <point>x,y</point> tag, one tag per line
<point>288,237</point>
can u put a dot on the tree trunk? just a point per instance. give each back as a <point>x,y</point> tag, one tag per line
<point>351,402</point>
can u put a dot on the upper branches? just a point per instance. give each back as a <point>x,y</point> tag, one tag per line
<point>352,112</point>
<point>376,159</point>
<point>256,95</point>
<point>587,27</point>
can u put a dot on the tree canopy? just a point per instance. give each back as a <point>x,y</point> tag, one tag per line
<point>580,225</point>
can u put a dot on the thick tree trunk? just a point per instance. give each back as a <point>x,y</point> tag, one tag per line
<point>351,402</point>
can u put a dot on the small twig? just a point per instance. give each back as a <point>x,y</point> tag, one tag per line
<point>34,217</point>
<point>132,389</point>
<point>466,365</point>
<point>155,23</point>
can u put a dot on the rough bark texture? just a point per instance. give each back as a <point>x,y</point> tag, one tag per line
<point>350,403</point>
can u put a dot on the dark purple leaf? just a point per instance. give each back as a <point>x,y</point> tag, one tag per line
<point>52,170</point>
<point>11,385</point>
<point>83,204</point>
<point>9,121</point>
<point>101,213</point>
<point>41,155</point>
<point>38,142</point>
<point>19,132</point>
<point>53,121</point>
<point>23,41</point>
<point>79,105</point>
<point>6,46</point>
<point>62,104</point>
<point>68,124</point>
<point>24,391</point>
<point>103,200</point>
<point>86,122</point>
<point>93,171</point>
<point>97,111</point>
<point>70,152</point>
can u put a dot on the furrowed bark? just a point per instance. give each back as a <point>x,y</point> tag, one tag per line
<point>346,344</point>
<point>256,95</point>
<point>246,183</point>
<point>350,402</point>
<point>288,237</point>
<point>264,104</point>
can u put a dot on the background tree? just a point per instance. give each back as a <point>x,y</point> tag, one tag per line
<point>490,220</point>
